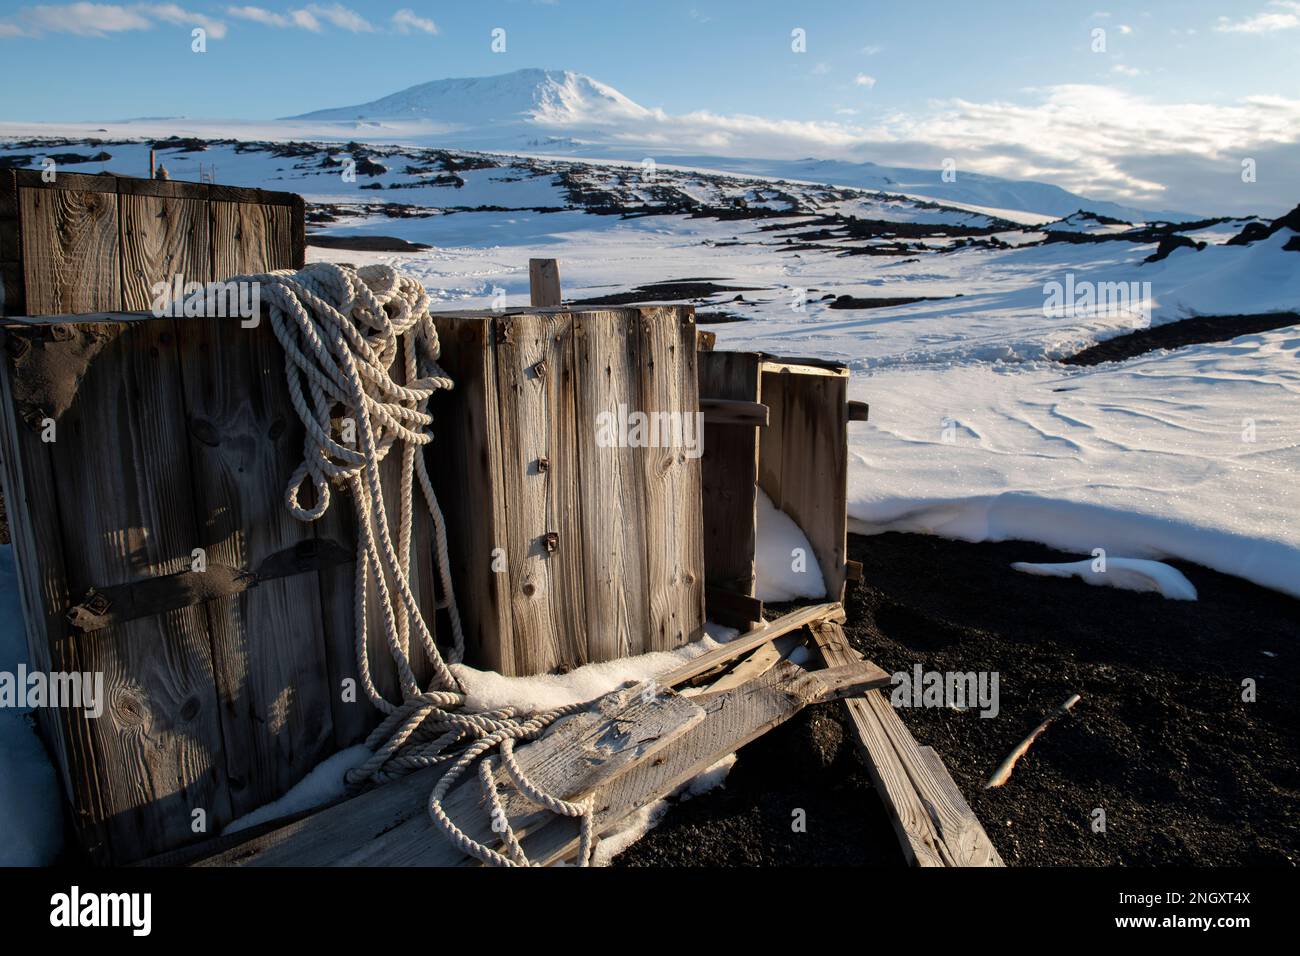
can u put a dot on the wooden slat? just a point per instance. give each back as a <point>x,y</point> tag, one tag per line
<point>465,462</point>
<point>543,283</point>
<point>732,609</point>
<point>244,442</point>
<point>162,237</point>
<point>737,646</point>
<point>804,464</point>
<point>732,719</point>
<point>674,534</point>
<point>613,528</point>
<point>32,511</point>
<point>729,474</point>
<point>528,379</point>
<point>935,825</point>
<point>248,238</point>
<point>159,743</point>
<point>70,250</point>
<point>722,411</point>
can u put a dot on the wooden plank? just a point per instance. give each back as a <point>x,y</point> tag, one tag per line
<point>859,411</point>
<point>33,516</point>
<point>529,380</point>
<point>732,609</point>
<point>732,719</point>
<point>158,744</point>
<point>70,250</point>
<point>244,442</point>
<point>737,646</point>
<point>543,283</point>
<point>674,533</point>
<point>935,825</point>
<point>729,474</point>
<point>760,660</point>
<point>467,446</point>
<point>162,237</point>
<point>812,452</point>
<point>576,756</point>
<point>722,411</point>
<point>249,238</point>
<point>613,529</point>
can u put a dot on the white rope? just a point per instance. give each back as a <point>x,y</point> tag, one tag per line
<point>343,332</point>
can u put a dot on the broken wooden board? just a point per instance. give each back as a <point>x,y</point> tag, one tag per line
<point>768,631</point>
<point>390,825</point>
<point>668,740</point>
<point>732,719</point>
<point>935,824</point>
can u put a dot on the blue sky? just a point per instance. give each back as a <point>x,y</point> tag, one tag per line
<point>730,57</point>
<point>1180,72</point>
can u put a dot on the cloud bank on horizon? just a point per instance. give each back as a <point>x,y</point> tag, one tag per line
<point>1132,134</point>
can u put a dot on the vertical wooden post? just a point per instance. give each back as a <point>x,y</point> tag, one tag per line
<point>544,283</point>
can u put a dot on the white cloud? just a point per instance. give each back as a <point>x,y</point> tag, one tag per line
<point>1098,140</point>
<point>406,21</point>
<point>310,17</point>
<point>1287,17</point>
<point>871,49</point>
<point>102,19</point>
<point>341,17</point>
<point>1124,70</point>
<point>1125,28</point>
<point>863,79</point>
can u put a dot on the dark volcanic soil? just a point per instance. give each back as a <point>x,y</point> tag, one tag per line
<point>1186,772</point>
<point>1193,331</point>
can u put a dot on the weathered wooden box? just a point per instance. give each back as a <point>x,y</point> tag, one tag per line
<point>569,548</point>
<point>144,464</point>
<point>800,459</point>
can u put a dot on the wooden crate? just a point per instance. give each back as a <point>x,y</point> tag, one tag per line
<point>566,552</point>
<point>223,686</point>
<point>82,244</point>
<point>800,459</point>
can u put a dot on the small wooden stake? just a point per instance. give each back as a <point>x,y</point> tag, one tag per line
<point>544,283</point>
<point>1003,773</point>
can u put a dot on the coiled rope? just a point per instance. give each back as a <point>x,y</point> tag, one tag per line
<point>343,331</point>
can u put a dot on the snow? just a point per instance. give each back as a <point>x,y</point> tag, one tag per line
<point>31,820</point>
<point>784,564</point>
<point>323,784</point>
<point>1129,574</point>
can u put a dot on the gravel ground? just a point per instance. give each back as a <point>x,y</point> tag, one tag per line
<point>1185,770</point>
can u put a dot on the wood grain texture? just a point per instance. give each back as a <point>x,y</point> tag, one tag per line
<point>124,488</point>
<point>613,521</point>
<point>249,238</point>
<point>162,237</point>
<point>729,474</point>
<point>804,463</point>
<point>36,534</point>
<point>532,351</point>
<point>543,283</point>
<point>70,250</point>
<point>244,442</point>
<point>465,465</point>
<point>935,825</point>
<point>674,534</point>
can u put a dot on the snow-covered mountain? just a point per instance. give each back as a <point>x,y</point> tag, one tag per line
<point>543,97</point>
<point>561,112</point>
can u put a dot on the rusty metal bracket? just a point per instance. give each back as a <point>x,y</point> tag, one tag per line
<point>106,606</point>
